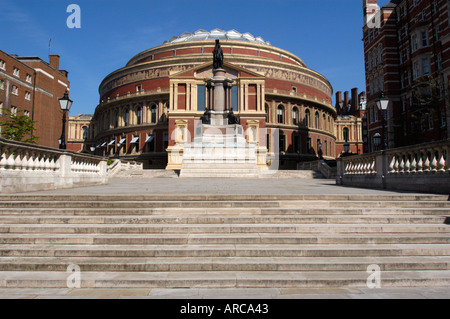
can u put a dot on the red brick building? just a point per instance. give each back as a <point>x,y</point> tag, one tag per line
<point>351,124</point>
<point>406,47</point>
<point>162,91</point>
<point>31,86</point>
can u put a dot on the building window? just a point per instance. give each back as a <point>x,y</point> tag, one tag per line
<point>2,65</point>
<point>280,114</point>
<point>16,72</point>
<point>26,113</point>
<point>116,119</point>
<point>153,114</point>
<point>437,33</point>
<point>201,98</point>
<point>28,96</point>
<point>267,110</point>
<point>415,70</point>
<point>2,85</point>
<point>234,98</point>
<point>126,117</point>
<point>439,61</point>
<point>85,132</point>
<point>13,110</point>
<point>139,116</point>
<point>430,122</point>
<point>307,119</point>
<point>139,88</point>
<point>15,90</point>
<point>414,43</point>
<point>1,108</point>
<point>295,116</point>
<point>28,78</point>
<point>150,142</point>
<point>424,39</point>
<point>345,134</point>
<point>282,142</point>
<point>425,66</point>
<point>316,120</point>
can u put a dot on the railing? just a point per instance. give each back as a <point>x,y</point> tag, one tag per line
<point>120,166</point>
<point>300,95</point>
<point>135,94</point>
<point>319,166</point>
<point>25,167</point>
<point>423,168</point>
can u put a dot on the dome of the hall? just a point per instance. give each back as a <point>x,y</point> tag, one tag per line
<point>219,34</point>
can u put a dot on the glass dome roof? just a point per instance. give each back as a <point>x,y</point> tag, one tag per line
<point>216,34</point>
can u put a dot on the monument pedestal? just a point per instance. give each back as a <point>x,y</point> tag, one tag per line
<point>220,151</point>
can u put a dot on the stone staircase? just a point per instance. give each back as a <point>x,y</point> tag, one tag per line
<point>213,241</point>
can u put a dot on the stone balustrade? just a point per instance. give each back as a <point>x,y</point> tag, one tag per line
<point>421,168</point>
<point>25,167</point>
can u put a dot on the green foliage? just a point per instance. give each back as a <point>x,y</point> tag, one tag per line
<point>18,128</point>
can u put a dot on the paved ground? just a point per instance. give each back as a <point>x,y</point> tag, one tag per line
<point>214,186</point>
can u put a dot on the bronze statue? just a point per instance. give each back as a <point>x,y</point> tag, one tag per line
<point>218,56</point>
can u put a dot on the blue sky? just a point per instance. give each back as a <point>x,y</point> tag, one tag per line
<point>325,34</point>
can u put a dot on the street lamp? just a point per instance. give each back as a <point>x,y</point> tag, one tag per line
<point>65,103</point>
<point>377,140</point>
<point>382,105</point>
<point>346,147</point>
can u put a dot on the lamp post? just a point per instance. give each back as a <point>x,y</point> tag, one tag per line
<point>65,103</point>
<point>377,140</point>
<point>382,105</point>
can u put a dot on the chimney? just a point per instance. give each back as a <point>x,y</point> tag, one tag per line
<point>355,99</point>
<point>338,100</point>
<point>346,98</point>
<point>54,61</point>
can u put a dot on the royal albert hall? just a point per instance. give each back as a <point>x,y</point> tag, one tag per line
<point>163,90</point>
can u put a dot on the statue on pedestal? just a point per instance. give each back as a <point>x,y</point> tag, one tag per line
<point>218,56</point>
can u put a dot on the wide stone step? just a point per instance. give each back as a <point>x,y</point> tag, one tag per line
<point>218,279</point>
<point>215,239</point>
<point>230,211</point>
<point>303,198</point>
<point>224,250</point>
<point>157,264</point>
<point>234,219</point>
<point>222,228</point>
<point>339,205</point>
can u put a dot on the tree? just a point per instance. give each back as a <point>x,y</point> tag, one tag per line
<point>18,128</point>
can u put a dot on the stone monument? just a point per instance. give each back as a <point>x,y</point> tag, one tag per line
<point>219,148</point>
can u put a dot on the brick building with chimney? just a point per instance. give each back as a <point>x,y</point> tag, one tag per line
<point>351,125</point>
<point>407,57</point>
<point>31,86</point>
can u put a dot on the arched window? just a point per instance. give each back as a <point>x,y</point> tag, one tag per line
<point>295,116</point>
<point>324,122</point>
<point>85,132</point>
<point>345,134</point>
<point>280,114</point>
<point>307,118</point>
<point>126,117</point>
<point>316,120</point>
<point>116,119</point>
<point>139,116</point>
<point>153,111</point>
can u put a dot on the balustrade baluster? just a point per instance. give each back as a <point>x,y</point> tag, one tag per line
<point>413,164</point>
